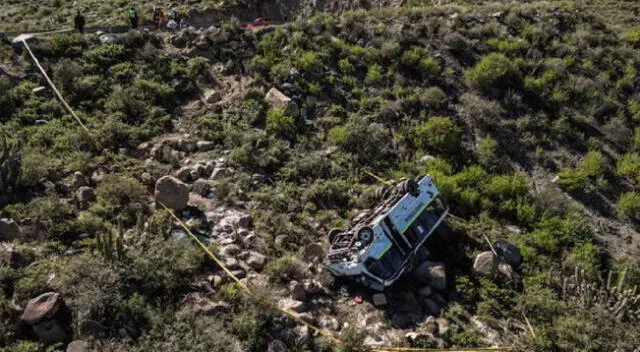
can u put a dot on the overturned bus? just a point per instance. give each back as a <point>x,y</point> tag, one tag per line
<point>381,244</point>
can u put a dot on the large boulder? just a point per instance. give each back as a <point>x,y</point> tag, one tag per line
<point>41,308</point>
<point>433,274</point>
<point>278,100</point>
<point>9,230</point>
<point>172,192</point>
<point>485,263</point>
<point>256,260</point>
<point>508,252</point>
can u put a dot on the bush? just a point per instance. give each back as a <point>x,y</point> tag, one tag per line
<point>434,97</point>
<point>629,204</point>
<point>632,36</point>
<point>281,124</point>
<point>121,195</point>
<point>438,133</point>
<point>285,269</point>
<point>573,179</point>
<point>629,166</point>
<point>494,71</point>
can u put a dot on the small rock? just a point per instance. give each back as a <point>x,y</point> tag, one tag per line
<point>506,270</point>
<point>256,261</point>
<point>201,187</point>
<point>146,178</point>
<point>215,280</point>
<point>244,221</point>
<point>42,308</point>
<point>508,252</point>
<point>205,146</point>
<point>313,252</point>
<point>312,286</point>
<point>239,274</point>
<point>220,173</point>
<point>79,180</point>
<point>555,179</point>
<point>301,335</point>
<point>485,263</point>
<point>184,174</point>
<point>232,263</point>
<point>276,99</point>
<point>9,230</point>
<point>379,299</point>
<point>85,195</point>
<point>443,326</point>
<point>430,325</point>
<point>231,250</point>
<point>292,305</point>
<point>172,192</point>
<point>297,291</point>
<point>432,273</point>
<point>78,346</point>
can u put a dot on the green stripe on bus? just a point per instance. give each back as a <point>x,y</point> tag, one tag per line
<point>416,216</point>
<point>385,251</point>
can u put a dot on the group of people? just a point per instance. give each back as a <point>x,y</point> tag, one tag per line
<point>177,21</point>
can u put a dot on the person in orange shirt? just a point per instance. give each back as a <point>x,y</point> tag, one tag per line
<point>158,17</point>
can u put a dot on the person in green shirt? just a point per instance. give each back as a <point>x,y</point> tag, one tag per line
<point>133,18</point>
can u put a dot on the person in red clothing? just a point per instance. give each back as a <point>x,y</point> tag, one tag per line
<point>158,17</point>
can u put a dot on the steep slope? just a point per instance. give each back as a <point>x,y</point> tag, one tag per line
<point>526,116</point>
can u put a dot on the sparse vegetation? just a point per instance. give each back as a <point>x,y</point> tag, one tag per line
<point>491,100</point>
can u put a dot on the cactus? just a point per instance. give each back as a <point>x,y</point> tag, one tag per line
<point>10,166</point>
<point>111,247</point>
<point>622,302</point>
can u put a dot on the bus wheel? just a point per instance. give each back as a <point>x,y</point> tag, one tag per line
<point>409,186</point>
<point>365,235</point>
<point>381,192</point>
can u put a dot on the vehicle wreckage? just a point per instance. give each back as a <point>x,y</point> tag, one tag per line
<point>382,243</point>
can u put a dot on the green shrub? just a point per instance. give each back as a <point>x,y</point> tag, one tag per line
<point>629,204</point>
<point>429,68</point>
<point>338,135</point>
<point>629,166</point>
<point>374,74</point>
<point>285,269</point>
<point>573,179</point>
<point>438,133</point>
<point>593,164</point>
<point>434,97</point>
<point>281,124</point>
<point>121,195</point>
<point>508,45</point>
<point>632,36</point>
<point>492,71</point>
<point>486,151</point>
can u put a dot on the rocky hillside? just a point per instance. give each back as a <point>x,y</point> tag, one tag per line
<point>526,116</point>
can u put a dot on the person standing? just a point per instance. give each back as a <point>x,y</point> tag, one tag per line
<point>133,18</point>
<point>158,16</point>
<point>79,22</point>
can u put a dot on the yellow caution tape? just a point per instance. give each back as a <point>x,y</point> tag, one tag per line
<point>244,287</point>
<point>53,87</point>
